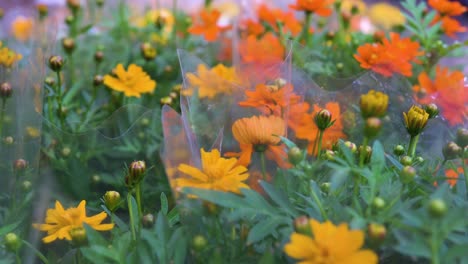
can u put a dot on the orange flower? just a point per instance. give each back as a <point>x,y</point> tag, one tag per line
<point>447,91</point>
<point>270,99</point>
<point>208,25</point>
<point>452,175</point>
<point>275,16</point>
<point>451,26</point>
<point>22,28</point>
<point>447,8</point>
<point>260,134</point>
<point>306,128</point>
<point>267,49</point>
<point>319,7</point>
<point>393,56</point>
<point>253,27</point>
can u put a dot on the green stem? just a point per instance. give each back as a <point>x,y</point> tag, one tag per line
<point>363,152</point>
<point>2,115</point>
<point>263,164</point>
<point>319,147</point>
<point>465,173</point>
<point>72,69</point>
<point>412,145</point>
<point>138,199</point>
<point>319,203</point>
<point>305,29</point>
<point>317,135</point>
<point>18,259</point>
<point>59,98</point>
<point>221,231</point>
<point>132,217</point>
<point>36,252</point>
<point>434,245</point>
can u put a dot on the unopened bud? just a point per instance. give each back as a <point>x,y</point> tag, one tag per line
<point>66,151</point>
<point>378,203</point>
<point>166,100</point>
<point>69,19</point>
<point>8,140</point>
<point>55,63</point>
<point>68,45</point>
<point>328,155</point>
<point>295,155</point>
<point>399,150</point>
<point>98,56</point>
<point>432,110</point>
<point>280,82</point>
<point>323,119</point>
<point>112,200</point>
<point>5,90</point>
<point>78,236</point>
<point>199,243</point>
<point>137,171</point>
<point>437,208</point>
<point>302,225</point>
<point>98,80</point>
<point>148,220</point>
<point>351,146</point>
<point>406,160</point>
<point>367,153</point>
<point>26,186</point>
<point>407,174</point>
<point>462,137</point>
<point>325,187</point>
<point>12,242</point>
<point>148,52</point>
<point>49,81</point>
<point>451,151</point>
<point>377,232</point>
<point>20,164</point>
<point>372,127</point>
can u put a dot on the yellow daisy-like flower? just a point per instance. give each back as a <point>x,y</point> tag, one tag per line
<point>217,173</point>
<point>133,82</point>
<point>386,16</point>
<point>331,245</point>
<point>22,28</point>
<point>8,57</point>
<point>210,82</point>
<point>59,222</point>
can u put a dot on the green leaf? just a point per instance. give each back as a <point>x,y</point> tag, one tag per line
<point>456,252</point>
<point>164,204</point>
<point>279,197</point>
<point>72,92</point>
<point>85,28</point>
<point>264,228</point>
<point>378,157</point>
<point>8,228</point>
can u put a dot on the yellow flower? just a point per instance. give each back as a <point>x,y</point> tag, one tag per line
<point>374,104</point>
<point>133,82</point>
<point>386,16</point>
<point>162,18</point>
<point>330,245</point>
<point>217,173</point>
<point>415,120</point>
<point>59,222</point>
<point>22,28</point>
<point>210,82</point>
<point>8,57</point>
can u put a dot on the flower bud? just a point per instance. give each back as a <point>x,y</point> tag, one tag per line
<point>74,5</point>
<point>173,95</point>
<point>419,159</point>
<point>99,3</point>
<point>177,88</point>
<point>280,82</point>
<point>166,100</point>
<point>55,63</point>
<point>323,119</point>
<point>302,225</point>
<point>5,90</point>
<point>49,81</point>
<point>367,153</point>
<point>95,179</point>
<point>98,56</point>
<point>406,160</point>
<point>8,140</point>
<point>42,10</point>
<point>148,52</point>
<point>78,236</point>
<point>415,120</point>
<point>462,137</point>
<point>112,200</point>
<point>351,146</point>
<point>20,164</point>
<point>451,151</point>
<point>199,243</point>
<point>373,104</point>
<point>148,220</point>
<point>66,151</point>
<point>329,155</point>
<point>26,186</point>
<point>399,150</point>
<point>372,127</point>
<point>136,171</point>
<point>145,121</point>
<point>377,232</point>
<point>437,208</point>
<point>407,174</point>
<point>69,19</point>
<point>432,110</point>
<point>12,242</point>
<point>378,203</point>
<point>68,45</point>
<point>325,187</point>
<point>98,80</point>
<point>295,155</point>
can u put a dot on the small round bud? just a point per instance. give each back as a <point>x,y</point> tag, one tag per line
<point>372,127</point>
<point>406,160</point>
<point>419,159</point>
<point>377,232</point>
<point>378,203</point>
<point>112,200</point>
<point>66,151</point>
<point>323,119</point>
<point>68,45</point>
<point>148,52</point>
<point>148,220</point>
<point>339,66</point>
<point>168,68</point>
<point>42,10</point>
<point>166,100</point>
<point>367,153</point>
<point>69,19</point>
<point>5,90</point>
<point>12,242</point>
<point>451,151</point>
<point>407,174</point>
<point>301,225</point>
<point>98,80</point>
<point>145,121</point>
<point>295,155</point>
<point>432,110</point>
<point>20,164</point>
<point>137,171</point>
<point>199,243</point>
<point>98,56</point>
<point>462,137</point>
<point>177,88</point>
<point>95,179</point>
<point>49,81</point>
<point>99,3</point>
<point>55,63</point>
<point>74,5</point>
<point>8,140</point>
<point>26,186</point>
<point>399,150</point>
<point>328,155</point>
<point>280,82</point>
<point>437,208</point>
<point>78,236</point>
<point>351,146</point>
<point>173,95</point>
<point>325,187</point>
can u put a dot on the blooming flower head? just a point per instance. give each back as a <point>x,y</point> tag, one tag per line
<point>260,134</point>
<point>415,120</point>
<point>22,28</point>
<point>265,50</point>
<point>452,175</point>
<point>451,26</point>
<point>211,82</point>
<point>447,8</point>
<point>133,82</point>
<point>59,222</point>
<point>373,104</point>
<point>386,16</point>
<point>216,173</point>
<point>162,18</point>
<point>275,16</point>
<point>8,57</point>
<point>208,25</point>
<point>319,7</point>
<point>447,91</point>
<point>252,27</point>
<point>330,244</point>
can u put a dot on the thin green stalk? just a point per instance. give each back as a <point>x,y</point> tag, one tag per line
<point>319,203</point>
<point>71,66</point>
<point>435,259</point>
<point>18,259</point>
<point>317,135</point>
<point>263,164</point>
<point>138,198</point>
<point>363,152</point>
<point>319,147</point>
<point>412,145</point>
<point>465,173</point>
<point>2,115</point>
<point>132,217</point>
<point>220,228</point>
<point>305,29</point>
<point>36,252</point>
<point>59,98</point>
